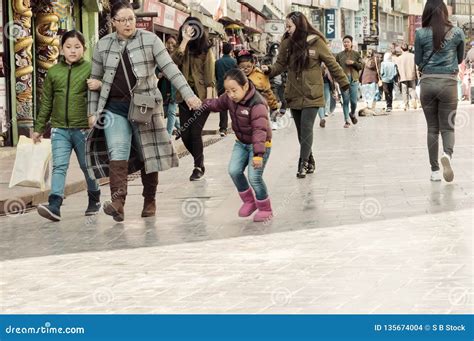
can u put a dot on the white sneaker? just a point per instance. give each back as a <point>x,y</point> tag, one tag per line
<point>435,176</point>
<point>448,173</point>
<point>275,125</point>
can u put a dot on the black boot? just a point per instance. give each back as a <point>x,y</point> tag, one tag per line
<point>51,211</point>
<point>311,164</point>
<point>94,203</point>
<point>302,169</point>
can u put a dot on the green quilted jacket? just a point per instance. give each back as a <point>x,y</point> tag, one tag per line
<point>64,98</point>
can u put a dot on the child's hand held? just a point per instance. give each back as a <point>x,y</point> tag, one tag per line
<point>36,137</point>
<point>94,84</point>
<point>257,162</point>
<point>91,120</point>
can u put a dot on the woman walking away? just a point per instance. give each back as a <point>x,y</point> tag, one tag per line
<point>439,49</point>
<point>351,63</point>
<point>250,122</point>
<point>301,52</point>
<point>123,60</point>
<point>197,63</point>
<point>64,101</point>
<point>388,72</point>
<point>369,79</point>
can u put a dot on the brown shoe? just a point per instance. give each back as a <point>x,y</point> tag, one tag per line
<point>150,182</point>
<point>118,172</point>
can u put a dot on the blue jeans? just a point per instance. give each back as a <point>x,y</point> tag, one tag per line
<point>171,121</point>
<point>350,97</point>
<point>242,156</point>
<point>369,91</point>
<point>327,100</point>
<point>119,134</point>
<point>63,142</point>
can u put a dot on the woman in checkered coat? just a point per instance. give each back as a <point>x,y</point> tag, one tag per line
<point>116,146</point>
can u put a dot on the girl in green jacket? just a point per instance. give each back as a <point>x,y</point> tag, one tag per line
<point>64,102</point>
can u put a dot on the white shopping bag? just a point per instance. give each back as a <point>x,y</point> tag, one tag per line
<point>31,167</point>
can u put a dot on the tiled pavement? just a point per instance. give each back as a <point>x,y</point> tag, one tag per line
<point>367,233</point>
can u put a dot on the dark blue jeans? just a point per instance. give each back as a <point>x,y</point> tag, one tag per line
<point>242,156</point>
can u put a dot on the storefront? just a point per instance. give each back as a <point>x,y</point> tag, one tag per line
<point>168,19</point>
<point>4,120</point>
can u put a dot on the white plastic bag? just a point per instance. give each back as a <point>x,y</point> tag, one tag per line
<point>31,167</point>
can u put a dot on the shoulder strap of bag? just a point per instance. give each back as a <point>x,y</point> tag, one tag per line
<point>433,52</point>
<point>125,69</point>
<point>377,67</point>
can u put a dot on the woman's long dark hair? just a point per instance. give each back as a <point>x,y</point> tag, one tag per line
<point>200,43</point>
<point>435,15</point>
<point>299,46</point>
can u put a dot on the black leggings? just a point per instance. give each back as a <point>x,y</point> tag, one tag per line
<point>304,121</point>
<point>192,123</point>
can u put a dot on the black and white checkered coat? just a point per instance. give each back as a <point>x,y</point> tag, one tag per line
<point>146,52</point>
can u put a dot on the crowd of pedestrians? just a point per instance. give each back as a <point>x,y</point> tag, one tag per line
<point>301,77</point>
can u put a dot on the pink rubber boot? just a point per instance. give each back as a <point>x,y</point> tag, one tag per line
<point>249,205</point>
<point>265,212</point>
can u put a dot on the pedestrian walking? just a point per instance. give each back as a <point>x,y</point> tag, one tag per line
<point>329,94</point>
<point>196,61</point>
<point>389,74</point>
<point>249,113</point>
<point>301,52</point>
<point>408,78</point>
<point>351,63</point>
<point>224,64</point>
<point>170,108</point>
<point>64,103</point>
<point>369,79</point>
<point>246,63</point>
<point>439,49</point>
<point>123,61</point>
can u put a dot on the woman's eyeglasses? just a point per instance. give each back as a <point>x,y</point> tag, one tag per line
<point>123,21</point>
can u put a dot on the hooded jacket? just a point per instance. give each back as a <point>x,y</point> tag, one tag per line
<point>305,89</point>
<point>250,121</point>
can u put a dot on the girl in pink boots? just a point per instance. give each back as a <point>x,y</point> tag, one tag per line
<point>250,123</point>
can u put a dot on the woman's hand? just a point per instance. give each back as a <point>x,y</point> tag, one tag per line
<point>188,33</point>
<point>91,120</point>
<point>194,103</point>
<point>94,84</point>
<point>265,68</point>
<point>36,137</point>
<point>349,62</point>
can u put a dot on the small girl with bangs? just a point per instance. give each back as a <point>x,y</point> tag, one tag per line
<point>249,113</point>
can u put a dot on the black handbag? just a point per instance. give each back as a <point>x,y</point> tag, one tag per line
<point>142,107</point>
